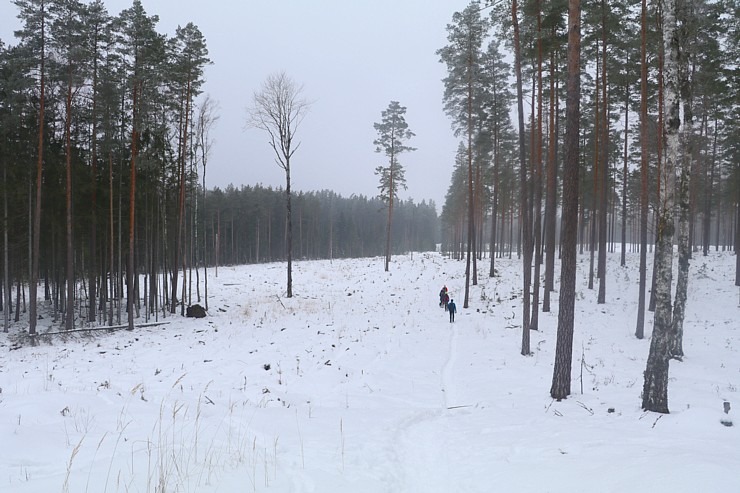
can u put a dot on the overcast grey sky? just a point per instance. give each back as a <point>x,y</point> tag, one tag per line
<point>352,56</point>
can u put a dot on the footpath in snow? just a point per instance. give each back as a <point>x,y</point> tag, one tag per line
<point>360,383</point>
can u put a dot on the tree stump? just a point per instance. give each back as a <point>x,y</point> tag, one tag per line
<point>195,311</point>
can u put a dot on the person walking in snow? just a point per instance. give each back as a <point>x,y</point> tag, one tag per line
<point>446,300</point>
<point>452,308</point>
<point>442,294</point>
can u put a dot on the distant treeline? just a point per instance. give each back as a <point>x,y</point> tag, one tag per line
<point>248,224</point>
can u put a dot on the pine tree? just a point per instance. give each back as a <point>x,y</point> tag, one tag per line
<point>69,43</point>
<point>462,57</point>
<point>97,23</point>
<point>566,314</point>
<point>524,209</point>
<point>496,105</point>
<point>392,132</point>
<point>34,15</point>
<point>142,52</point>
<point>644,205</point>
<point>553,22</point>
<point>190,54</point>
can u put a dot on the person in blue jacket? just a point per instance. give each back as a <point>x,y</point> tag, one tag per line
<point>452,308</point>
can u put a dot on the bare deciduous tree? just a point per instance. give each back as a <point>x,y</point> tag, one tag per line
<point>207,118</point>
<point>278,108</point>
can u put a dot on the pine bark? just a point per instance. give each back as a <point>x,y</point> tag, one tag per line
<point>33,281</point>
<point>640,328</point>
<point>524,191</point>
<point>566,314</point>
<point>551,195</point>
<point>471,204</point>
<point>70,266</point>
<point>132,208</point>
<point>391,192</point>
<point>737,239</point>
<point>708,191</point>
<point>604,160</point>
<point>625,177</point>
<point>537,207</point>
<point>7,308</point>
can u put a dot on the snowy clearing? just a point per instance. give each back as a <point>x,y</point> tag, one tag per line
<point>359,383</point>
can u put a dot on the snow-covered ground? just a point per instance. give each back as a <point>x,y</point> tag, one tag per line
<point>359,383</point>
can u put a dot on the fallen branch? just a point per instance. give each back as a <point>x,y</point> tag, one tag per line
<point>591,411</point>
<point>92,329</point>
<point>281,301</point>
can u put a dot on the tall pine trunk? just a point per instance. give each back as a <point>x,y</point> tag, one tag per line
<point>551,195</point>
<point>566,314</point>
<point>471,204</point>
<point>111,248</point>
<point>625,177</point>
<point>708,190</point>
<point>132,208</point>
<point>494,200</point>
<point>180,256</point>
<point>92,314</point>
<point>70,266</point>
<point>537,207</point>
<point>390,216</point>
<point>604,160</point>
<point>594,216</point>
<point>524,215</point>
<point>644,204</point>
<point>737,237</point>
<point>33,280</point>
<point>6,274</point>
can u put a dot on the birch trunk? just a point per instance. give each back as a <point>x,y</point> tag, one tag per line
<point>655,388</point>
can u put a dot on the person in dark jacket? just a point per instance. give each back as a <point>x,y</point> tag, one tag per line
<point>452,308</point>
<point>442,295</point>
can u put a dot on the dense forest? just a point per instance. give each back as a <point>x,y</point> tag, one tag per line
<point>626,139</point>
<point>610,125</point>
<point>105,135</point>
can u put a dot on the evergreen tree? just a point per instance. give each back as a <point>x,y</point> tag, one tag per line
<point>525,211</point>
<point>188,49</point>
<point>142,52</point>
<point>392,131</point>
<point>33,35</point>
<point>69,44</point>
<point>462,56</point>
<point>566,312</point>
<point>498,97</point>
